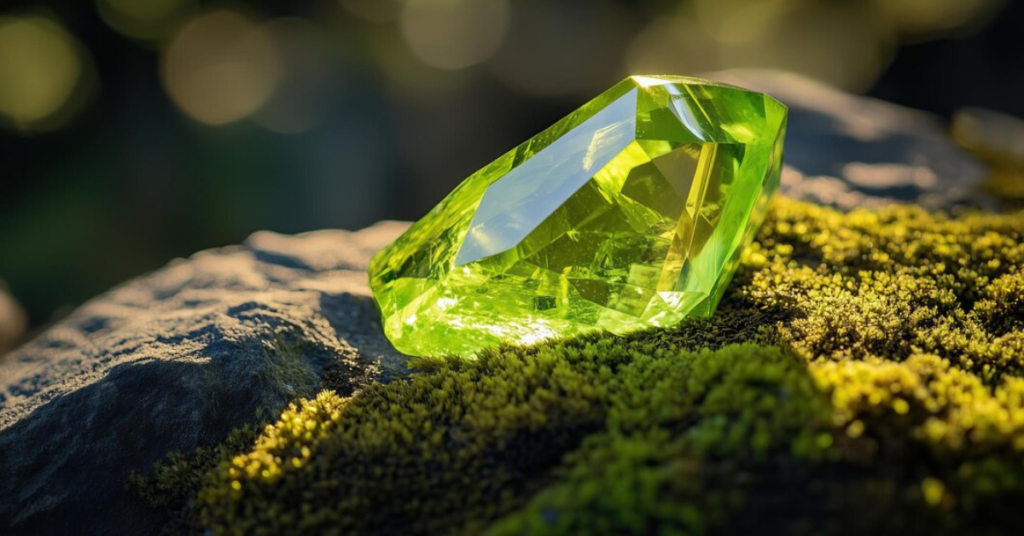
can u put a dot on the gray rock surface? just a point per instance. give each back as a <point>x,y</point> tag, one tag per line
<point>13,321</point>
<point>175,360</point>
<point>850,151</point>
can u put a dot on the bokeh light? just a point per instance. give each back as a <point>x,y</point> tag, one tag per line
<point>407,79</point>
<point>299,97</point>
<point>543,55</point>
<point>219,118</point>
<point>221,67</point>
<point>924,19</point>
<point>845,44</point>
<point>373,10</point>
<point>454,34</point>
<point>42,72</point>
<point>740,21</point>
<point>144,19</point>
<point>673,44</point>
<point>840,43</point>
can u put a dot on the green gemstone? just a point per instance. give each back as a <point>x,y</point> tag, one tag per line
<point>629,213</point>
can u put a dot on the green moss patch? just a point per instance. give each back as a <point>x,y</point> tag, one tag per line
<point>864,373</point>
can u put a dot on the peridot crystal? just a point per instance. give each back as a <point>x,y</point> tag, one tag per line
<point>629,213</point>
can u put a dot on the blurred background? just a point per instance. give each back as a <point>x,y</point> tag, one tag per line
<point>135,131</point>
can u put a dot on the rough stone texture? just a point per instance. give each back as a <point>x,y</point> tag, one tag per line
<point>176,360</point>
<point>849,151</point>
<point>12,321</point>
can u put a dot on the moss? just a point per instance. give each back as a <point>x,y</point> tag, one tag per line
<point>175,482</point>
<point>864,373</point>
<point>285,364</point>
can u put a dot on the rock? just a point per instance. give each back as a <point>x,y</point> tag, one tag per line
<point>998,139</point>
<point>997,136</point>
<point>173,361</point>
<point>13,321</point>
<point>850,151</point>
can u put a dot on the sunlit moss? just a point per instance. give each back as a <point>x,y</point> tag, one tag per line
<point>864,374</point>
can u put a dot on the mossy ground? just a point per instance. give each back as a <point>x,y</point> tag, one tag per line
<point>864,373</point>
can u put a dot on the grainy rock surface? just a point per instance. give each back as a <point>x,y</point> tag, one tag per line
<point>849,151</point>
<point>176,360</point>
<point>12,321</point>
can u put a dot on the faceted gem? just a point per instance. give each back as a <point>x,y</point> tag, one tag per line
<point>629,213</point>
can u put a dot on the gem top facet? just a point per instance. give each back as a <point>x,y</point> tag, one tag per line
<point>629,213</point>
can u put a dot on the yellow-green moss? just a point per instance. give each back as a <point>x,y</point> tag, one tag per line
<point>863,374</point>
<point>174,483</point>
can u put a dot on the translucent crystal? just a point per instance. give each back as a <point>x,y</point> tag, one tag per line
<point>629,213</point>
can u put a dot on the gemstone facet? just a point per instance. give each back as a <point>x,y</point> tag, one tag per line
<point>631,212</point>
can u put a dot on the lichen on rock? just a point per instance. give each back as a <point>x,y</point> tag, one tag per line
<point>864,373</point>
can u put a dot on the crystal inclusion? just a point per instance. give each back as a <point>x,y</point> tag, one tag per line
<point>629,213</point>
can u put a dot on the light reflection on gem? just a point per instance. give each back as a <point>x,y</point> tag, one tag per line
<point>579,230</point>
